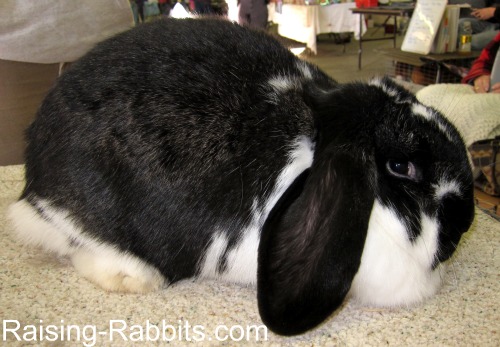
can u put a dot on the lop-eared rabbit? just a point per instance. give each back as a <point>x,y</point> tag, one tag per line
<point>201,149</point>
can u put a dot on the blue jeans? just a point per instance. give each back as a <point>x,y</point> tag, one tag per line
<point>482,32</point>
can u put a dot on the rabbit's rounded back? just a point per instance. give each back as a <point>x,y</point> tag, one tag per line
<point>165,133</point>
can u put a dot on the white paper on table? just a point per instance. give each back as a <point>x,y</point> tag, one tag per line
<point>423,26</point>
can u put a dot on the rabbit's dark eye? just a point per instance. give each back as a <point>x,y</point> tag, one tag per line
<point>401,168</point>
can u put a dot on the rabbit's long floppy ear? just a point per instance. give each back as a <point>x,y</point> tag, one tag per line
<point>312,242</point>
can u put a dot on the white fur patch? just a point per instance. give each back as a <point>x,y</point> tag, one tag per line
<point>395,271</point>
<point>282,83</point>
<point>306,71</point>
<point>417,108</point>
<point>242,260</point>
<point>34,230</point>
<point>377,82</point>
<point>300,159</point>
<point>99,262</point>
<point>423,111</point>
<point>446,187</point>
<point>429,114</point>
<point>279,85</point>
<point>213,256</point>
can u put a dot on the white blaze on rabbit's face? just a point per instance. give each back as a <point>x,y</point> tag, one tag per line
<point>241,263</point>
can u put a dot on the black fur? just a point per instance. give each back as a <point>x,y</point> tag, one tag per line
<point>177,134</point>
<point>355,143</point>
<point>167,133</point>
<point>312,242</point>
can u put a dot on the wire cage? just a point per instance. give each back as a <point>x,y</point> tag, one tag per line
<point>428,71</point>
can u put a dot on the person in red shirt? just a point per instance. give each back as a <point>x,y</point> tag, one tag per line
<point>480,71</point>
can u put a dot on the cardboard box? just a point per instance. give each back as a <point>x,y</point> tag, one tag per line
<point>22,89</point>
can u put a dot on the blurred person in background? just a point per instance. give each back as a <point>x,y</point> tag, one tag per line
<point>253,13</point>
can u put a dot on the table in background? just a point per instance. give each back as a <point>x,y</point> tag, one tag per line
<point>303,23</point>
<point>384,11</point>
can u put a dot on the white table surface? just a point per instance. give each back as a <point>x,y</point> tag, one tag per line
<point>302,23</point>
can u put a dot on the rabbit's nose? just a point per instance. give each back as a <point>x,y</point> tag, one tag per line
<point>455,215</point>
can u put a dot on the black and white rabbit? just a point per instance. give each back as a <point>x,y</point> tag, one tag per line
<point>201,149</point>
